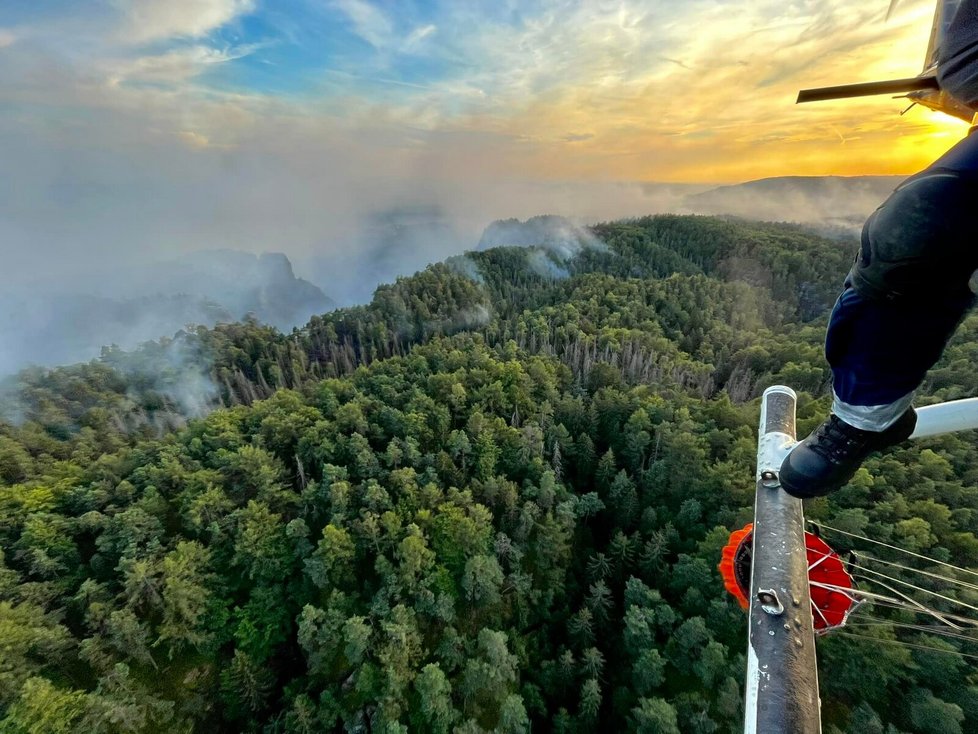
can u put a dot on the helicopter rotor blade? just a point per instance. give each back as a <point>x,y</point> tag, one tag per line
<point>845,91</point>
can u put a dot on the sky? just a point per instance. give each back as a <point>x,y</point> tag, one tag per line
<point>133,128</point>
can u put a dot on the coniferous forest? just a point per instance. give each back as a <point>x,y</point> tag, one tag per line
<point>492,500</point>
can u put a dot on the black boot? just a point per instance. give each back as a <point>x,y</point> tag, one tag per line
<point>829,457</point>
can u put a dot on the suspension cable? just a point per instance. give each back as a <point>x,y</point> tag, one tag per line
<point>906,602</point>
<point>914,602</point>
<point>916,627</point>
<point>880,601</point>
<point>965,584</point>
<point>893,547</point>
<point>862,572</point>
<point>908,644</point>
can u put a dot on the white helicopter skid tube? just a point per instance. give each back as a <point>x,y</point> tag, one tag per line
<point>955,415</point>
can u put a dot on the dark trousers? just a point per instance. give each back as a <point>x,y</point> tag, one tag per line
<point>880,350</point>
<point>909,286</point>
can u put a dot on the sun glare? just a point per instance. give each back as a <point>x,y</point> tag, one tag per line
<point>918,149</point>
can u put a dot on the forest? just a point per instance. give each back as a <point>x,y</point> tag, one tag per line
<point>491,500</point>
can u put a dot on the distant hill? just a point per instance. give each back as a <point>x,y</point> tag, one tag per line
<point>242,283</point>
<point>126,309</point>
<point>830,205</point>
<point>830,201</point>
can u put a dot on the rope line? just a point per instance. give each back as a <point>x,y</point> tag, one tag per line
<point>914,602</point>
<point>893,547</point>
<point>906,602</point>
<point>863,574</point>
<point>879,602</point>
<point>916,627</point>
<point>908,644</point>
<point>857,570</point>
<point>965,584</point>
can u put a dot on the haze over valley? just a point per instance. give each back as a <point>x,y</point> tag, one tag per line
<point>59,320</point>
<point>123,307</point>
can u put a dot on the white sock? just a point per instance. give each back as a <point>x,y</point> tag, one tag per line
<point>871,417</point>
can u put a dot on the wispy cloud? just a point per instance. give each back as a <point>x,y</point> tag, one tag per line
<point>418,35</point>
<point>369,22</point>
<point>154,20</point>
<point>172,67</point>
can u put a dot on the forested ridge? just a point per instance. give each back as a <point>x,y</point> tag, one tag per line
<point>493,499</point>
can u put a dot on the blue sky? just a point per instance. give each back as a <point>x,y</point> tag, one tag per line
<point>146,126</point>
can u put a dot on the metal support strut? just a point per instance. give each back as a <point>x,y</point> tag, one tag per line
<point>782,677</point>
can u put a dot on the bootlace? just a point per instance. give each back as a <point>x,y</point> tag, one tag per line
<point>836,440</point>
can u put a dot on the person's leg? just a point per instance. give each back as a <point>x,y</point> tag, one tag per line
<point>904,296</point>
<point>880,350</point>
